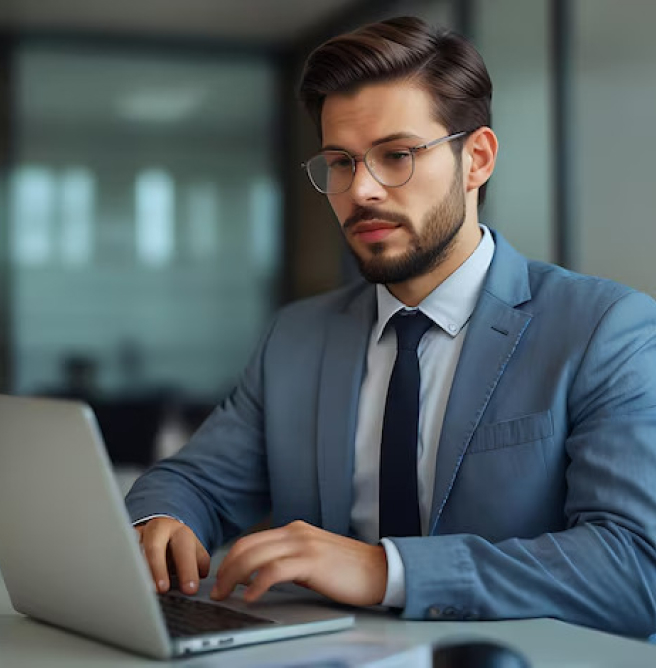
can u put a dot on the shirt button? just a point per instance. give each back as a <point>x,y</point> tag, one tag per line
<point>434,613</point>
<point>452,328</point>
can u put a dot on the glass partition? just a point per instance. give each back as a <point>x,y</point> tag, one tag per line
<point>144,222</point>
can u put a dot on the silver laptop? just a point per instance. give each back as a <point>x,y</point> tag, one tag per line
<point>69,555</point>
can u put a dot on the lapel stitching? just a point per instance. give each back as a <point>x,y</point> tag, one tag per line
<point>503,331</point>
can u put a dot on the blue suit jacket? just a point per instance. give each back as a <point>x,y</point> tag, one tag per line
<point>545,490</point>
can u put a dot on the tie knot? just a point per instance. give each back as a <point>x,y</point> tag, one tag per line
<point>410,326</point>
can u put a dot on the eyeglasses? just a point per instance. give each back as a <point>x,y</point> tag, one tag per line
<point>391,163</point>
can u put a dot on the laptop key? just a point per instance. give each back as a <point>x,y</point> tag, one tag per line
<point>190,617</point>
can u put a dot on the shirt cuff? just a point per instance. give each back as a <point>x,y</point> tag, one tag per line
<point>152,517</point>
<point>395,592</point>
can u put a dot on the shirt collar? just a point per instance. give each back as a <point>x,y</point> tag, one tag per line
<point>452,302</point>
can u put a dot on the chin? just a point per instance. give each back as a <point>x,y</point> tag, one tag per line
<point>379,251</point>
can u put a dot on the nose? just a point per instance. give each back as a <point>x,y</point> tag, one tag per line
<point>365,189</point>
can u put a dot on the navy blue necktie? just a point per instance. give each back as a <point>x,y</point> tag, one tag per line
<point>399,505</point>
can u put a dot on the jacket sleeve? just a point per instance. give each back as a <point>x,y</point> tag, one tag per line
<point>600,571</point>
<point>218,483</point>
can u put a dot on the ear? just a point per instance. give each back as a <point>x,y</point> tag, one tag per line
<point>480,154</point>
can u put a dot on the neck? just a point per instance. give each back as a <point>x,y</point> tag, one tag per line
<point>412,292</point>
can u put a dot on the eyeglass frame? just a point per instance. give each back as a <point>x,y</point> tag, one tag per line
<point>355,159</point>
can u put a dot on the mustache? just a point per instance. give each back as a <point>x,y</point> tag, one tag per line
<point>363,213</point>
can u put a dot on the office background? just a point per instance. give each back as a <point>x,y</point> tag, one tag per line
<point>153,213</point>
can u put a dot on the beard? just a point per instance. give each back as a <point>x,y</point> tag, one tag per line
<point>426,250</point>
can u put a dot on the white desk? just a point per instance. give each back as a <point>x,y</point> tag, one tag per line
<point>547,643</point>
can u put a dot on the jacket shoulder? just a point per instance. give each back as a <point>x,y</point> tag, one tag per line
<point>324,305</point>
<point>552,285</point>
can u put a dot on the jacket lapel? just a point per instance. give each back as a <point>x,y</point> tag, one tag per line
<point>494,332</point>
<point>342,369</point>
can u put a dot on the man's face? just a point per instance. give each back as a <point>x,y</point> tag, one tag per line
<point>395,233</point>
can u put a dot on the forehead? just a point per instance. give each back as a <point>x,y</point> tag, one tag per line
<point>377,110</point>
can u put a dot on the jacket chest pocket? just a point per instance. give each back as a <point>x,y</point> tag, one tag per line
<point>518,431</point>
<point>511,482</point>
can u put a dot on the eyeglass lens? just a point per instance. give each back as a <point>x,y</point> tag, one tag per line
<point>391,164</point>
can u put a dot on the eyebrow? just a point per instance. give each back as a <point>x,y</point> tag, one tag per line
<point>382,140</point>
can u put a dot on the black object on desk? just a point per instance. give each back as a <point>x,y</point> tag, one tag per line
<point>478,654</point>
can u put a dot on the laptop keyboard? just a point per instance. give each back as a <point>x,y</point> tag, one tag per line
<point>190,617</point>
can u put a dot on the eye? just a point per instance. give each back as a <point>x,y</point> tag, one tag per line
<point>338,162</point>
<point>396,155</point>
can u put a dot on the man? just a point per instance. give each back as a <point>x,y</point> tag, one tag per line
<point>505,458</point>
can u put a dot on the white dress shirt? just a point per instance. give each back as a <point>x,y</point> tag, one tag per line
<point>450,307</point>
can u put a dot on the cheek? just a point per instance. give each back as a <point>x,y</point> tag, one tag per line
<point>430,191</point>
<point>339,206</point>
<point>435,176</point>
<point>411,202</point>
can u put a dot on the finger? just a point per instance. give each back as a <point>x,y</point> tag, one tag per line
<point>293,569</point>
<point>255,540</point>
<point>182,548</point>
<point>154,543</point>
<point>240,564</point>
<point>239,567</point>
<point>203,560</point>
<point>291,533</point>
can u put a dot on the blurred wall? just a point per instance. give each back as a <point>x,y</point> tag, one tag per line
<point>5,162</point>
<point>513,38</point>
<point>614,104</point>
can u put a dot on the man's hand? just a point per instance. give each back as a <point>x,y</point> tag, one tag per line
<point>167,543</point>
<point>342,569</point>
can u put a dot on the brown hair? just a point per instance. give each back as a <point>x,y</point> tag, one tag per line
<point>444,63</point>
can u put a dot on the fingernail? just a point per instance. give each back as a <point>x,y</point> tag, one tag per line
<point>215,592</point>
<point>192,585</point>
<point>161,585</point>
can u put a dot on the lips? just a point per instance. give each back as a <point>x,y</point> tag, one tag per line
<point>373,231</point>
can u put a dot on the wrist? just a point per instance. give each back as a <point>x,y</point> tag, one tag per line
<point>380,572</point>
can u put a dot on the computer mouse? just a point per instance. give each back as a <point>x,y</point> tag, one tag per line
<point>478,654</point>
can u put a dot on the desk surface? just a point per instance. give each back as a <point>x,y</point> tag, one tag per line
<point>546,642</point>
